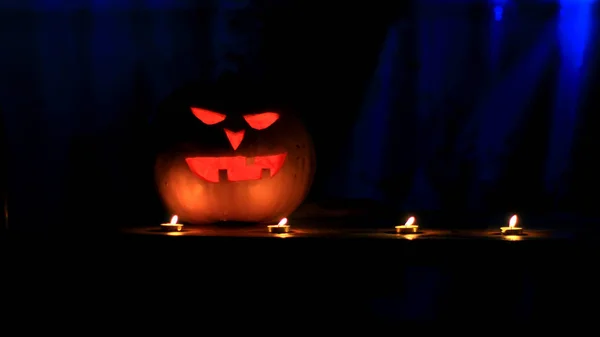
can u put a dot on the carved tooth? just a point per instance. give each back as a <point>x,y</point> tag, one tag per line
<point>223,175</point>
<point>265,173</point>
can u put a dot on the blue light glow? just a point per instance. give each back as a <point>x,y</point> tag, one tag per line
<point>498,10</point>
<point>574,29</point>
<point>574,25</point>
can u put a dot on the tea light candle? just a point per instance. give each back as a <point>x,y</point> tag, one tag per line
<point>512,229</point>
<point>173,226</point>
<point>280,228</point>
<point>409,227</point>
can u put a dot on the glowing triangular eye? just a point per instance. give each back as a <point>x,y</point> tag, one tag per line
<point>262,120</point>
<point>208,117</point>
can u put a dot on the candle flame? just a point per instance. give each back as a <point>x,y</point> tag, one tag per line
<point>282,222</point>
<point>513,221</point>
<point>410,221</point>
<point>174,219</point>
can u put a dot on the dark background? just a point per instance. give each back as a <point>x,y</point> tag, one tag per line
<point>427,107</point>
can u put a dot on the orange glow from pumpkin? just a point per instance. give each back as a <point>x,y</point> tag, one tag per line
<point>410,221</point>
<point>238,168</point>
<point>235,138</point>
<point>174,219</point>
<point>513,221</point>
<point>282,222</point>
<point>261,121</point>
<point>208,117</point>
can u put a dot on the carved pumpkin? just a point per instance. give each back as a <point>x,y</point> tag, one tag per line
<point>230,153</point>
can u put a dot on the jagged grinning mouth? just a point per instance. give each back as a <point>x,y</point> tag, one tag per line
<point>236,168</point>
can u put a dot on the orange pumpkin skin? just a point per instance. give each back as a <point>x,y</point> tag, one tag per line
<point>227,170</point>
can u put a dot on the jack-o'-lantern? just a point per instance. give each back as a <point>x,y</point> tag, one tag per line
<point>230,153</point>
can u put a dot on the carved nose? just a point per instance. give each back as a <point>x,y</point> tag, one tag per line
<point>235,138</point>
